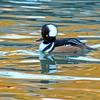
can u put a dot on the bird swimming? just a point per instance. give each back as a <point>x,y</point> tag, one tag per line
<point>49,42</point>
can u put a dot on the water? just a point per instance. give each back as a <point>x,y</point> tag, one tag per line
<point>26,74</point>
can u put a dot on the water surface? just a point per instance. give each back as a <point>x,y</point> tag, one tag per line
<point>25,74</point>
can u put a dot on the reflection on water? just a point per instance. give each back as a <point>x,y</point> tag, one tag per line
<point>27,74</point>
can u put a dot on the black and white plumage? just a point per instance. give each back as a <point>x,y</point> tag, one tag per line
<point>49,42</point>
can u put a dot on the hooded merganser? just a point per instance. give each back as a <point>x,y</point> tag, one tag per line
<point>49,43</point>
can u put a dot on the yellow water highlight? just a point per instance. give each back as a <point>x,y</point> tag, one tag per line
<point>5,23</point>
<point>89,70</point>
<point>76,90</point>
<point>16,90</point>
<point>77,27</point>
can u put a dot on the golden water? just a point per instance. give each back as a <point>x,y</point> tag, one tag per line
<point>20,24</point>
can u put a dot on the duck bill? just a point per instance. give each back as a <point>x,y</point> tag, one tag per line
<point>38,40</point>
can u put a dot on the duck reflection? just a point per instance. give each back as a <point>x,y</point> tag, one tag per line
<point>49,62</point>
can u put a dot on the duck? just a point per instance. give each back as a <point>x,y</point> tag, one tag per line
<point>49,42</point>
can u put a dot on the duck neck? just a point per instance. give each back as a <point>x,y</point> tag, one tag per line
<point>49,40</point>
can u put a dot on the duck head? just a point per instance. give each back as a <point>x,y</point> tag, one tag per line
<point>49,33</point>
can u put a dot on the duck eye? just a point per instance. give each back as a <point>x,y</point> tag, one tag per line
<point>46,35</point>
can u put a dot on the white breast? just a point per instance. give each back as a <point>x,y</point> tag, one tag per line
<point>43,46</point>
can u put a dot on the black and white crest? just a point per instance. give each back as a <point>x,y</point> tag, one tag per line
<point>49,30</point>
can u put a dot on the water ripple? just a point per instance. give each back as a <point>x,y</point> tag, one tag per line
<point>23,2</point>
<point>14,36</point>
<point>2,53</point>
<point>19,75</point>
<point>15,44</point>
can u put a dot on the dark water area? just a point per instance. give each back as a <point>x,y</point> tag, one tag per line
<point>26,74</point>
